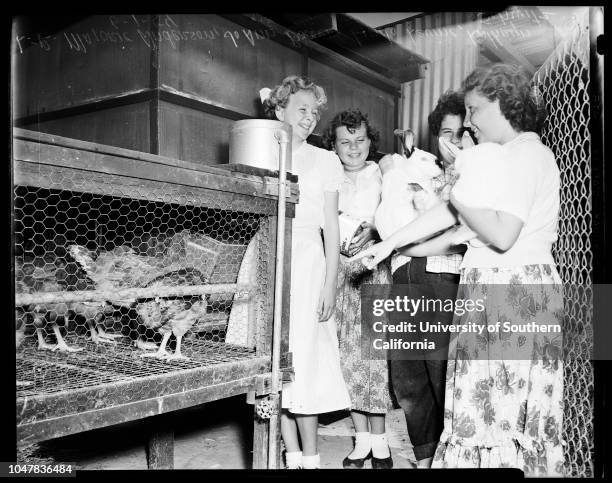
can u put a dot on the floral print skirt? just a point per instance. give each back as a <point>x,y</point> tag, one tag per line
<point>367,380</point>
<point>504,391</point>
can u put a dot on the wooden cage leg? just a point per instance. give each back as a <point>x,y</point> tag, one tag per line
<point>160,447</point>
<point>261,431</point>
<point>275,423</point>
<point>274,438</point>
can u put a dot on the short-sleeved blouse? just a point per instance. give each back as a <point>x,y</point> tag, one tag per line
<point>318,170</point>
<point>531,194</point>
<point>361,197</point>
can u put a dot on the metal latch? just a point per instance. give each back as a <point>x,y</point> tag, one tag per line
<point>271,188</point>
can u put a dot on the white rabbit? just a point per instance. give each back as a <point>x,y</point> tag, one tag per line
<point>407,188</point>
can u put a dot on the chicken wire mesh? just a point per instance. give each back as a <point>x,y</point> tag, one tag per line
<point>562,83</point>
<point>120,286</point>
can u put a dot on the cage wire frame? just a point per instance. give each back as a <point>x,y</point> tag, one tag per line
<point>563,84</point>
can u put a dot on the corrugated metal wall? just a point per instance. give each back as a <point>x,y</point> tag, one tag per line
<point>448,40</point>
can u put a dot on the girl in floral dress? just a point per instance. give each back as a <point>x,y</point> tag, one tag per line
<point>352,137</point>
<point>503,403</point>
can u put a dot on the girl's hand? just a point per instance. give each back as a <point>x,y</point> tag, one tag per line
<point>373,255</point>
<point>447,150</point>
<point>368,232</point>
<point>466,140</point>
<point>327,302</point>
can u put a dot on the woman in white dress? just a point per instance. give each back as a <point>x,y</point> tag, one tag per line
<point>318,386</point>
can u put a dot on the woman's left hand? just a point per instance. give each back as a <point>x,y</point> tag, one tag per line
<point>368,232</point>
<point>327,302</point>
<point>373,255</point>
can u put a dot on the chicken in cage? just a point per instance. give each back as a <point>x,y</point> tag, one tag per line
<point>171,266</point>
<point>141,298</point>
<point>32,278</point>
<point>122,268</point>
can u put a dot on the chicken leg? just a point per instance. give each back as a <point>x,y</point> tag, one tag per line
<point>145,345</point>
<point>161,352</point>
<point>182,322</point>
<point>40,322</point>
<point>177,351</point>
<point>61,343</point>
<point>98,335</point>
<point>94,314</point>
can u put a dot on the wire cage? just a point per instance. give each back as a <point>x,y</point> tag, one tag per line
<point>142,284</point>
<point>563,86</point>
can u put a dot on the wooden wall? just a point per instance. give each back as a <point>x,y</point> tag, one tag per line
<point>77,64</point>
<point>344,91</point>
<point>174,84</point>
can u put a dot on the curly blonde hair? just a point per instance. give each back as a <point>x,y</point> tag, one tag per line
<point>279,97</point>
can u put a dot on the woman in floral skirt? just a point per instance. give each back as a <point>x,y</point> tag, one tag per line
<point>504,389</point>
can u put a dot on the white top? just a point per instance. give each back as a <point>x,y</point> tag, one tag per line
<point>482,171</point>
<point>318,170</point>
<point>360,198</point>
<point>529,190</point>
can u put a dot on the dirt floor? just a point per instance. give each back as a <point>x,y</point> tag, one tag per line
<point>213,435</point>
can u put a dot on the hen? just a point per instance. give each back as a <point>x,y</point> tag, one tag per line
<point>110,271</point>
<point>31,279</point>
<point>122,268</point>
<point>171,317</point>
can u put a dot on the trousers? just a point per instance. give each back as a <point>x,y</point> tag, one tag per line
<point>419,385</point>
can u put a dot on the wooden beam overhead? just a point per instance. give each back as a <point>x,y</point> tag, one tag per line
<point>505,52</point>
<point>353,40</point>
<point>296,41</point>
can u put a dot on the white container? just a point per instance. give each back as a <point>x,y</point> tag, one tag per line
<point>255,142</point>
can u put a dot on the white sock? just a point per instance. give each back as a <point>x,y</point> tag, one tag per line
<point>311,462</point>
<point>293,459</point>
<point>380,446</point>
<point>362,445</point>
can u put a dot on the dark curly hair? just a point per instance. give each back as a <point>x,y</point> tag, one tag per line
<point>511,85</point>
<point>451,102</point>
<point>279,97</point>
<point>352,119</point>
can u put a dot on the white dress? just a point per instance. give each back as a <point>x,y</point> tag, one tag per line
<point>318,386</point>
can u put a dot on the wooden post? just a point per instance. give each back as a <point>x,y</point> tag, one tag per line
<point>261,434</point>
<point>275,432</point>
<point>160,447</point>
